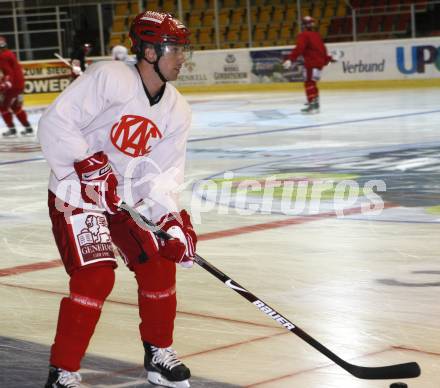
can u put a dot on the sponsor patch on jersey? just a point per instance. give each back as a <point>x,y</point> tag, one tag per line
<point>133,134</point>
<point>92,238</point>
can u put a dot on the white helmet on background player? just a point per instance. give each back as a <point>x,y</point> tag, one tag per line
<point>3,42</point>
<point>119,53</point>
<point>308,22</point>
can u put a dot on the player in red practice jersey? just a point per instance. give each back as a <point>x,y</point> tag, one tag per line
<point>310,46</point>
<point>119,132</point>
<point>11,91</point>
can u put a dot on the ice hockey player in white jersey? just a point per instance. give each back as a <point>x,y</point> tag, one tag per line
<point>119,133</point>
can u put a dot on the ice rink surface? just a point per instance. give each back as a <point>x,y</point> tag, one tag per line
<point>360,279</point>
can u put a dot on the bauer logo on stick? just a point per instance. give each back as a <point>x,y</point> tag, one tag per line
<point>274,315</point>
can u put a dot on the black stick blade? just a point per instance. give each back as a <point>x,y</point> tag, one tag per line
<point>399,371</point>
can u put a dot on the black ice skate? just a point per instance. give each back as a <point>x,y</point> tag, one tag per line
<point>312,107</point>
<point>60,378</point>
<point>28,131</point>
<point>164,368</point>
<point>11,132</point>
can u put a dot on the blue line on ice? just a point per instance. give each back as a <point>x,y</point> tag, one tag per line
<point>312,126</point>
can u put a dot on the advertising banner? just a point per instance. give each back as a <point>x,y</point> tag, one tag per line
<point>357,61</point>
<point>267,66</point>
<point>216,67</point>
<point>384,60</point>
<point>45,76</point>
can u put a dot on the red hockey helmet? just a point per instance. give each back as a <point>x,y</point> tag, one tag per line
<point>3,42</point>
<point>308,22</point>
<point>157,28</point>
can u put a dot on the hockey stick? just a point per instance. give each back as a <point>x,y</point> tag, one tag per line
<point>398,371</point>
<point>65,61</point>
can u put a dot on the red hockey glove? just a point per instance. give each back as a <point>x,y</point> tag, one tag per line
<point>138,245</point>
<point>179,226</point>
<point>98,183</point>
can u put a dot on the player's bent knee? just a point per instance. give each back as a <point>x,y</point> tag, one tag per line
<point>93,281</point>
<point>157,274</point>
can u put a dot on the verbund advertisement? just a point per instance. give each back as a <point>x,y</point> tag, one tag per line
<point>384,60</point>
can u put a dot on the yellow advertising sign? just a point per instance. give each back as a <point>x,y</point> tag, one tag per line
<point>46,77</point>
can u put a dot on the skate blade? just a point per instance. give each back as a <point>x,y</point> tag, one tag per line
<point>157,379</point>
<point>8,135</point>
<point>310,112</point>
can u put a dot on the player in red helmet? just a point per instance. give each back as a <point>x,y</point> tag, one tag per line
<point>119,133</point>
<point>310,46</point>
<point>11,91</point>
<point>164,33</point>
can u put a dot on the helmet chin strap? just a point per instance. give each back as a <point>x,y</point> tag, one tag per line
<point>159,73</point>
<point>156,63</point>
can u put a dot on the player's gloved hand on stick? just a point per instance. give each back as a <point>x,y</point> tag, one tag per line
<point>5,85</point>
<point>179,226</point>
<point>287,64</point>
<point>76,70</point>
<point>98,182</point>
<point>137,242</point>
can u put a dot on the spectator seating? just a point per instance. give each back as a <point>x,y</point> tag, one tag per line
<point>274,22</point>
<point>375,19</point>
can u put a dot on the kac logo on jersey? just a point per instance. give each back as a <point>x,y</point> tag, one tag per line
<point>132,133</point>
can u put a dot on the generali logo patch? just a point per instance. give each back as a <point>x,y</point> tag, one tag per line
<point>92,237</point>
<point>132,135</point>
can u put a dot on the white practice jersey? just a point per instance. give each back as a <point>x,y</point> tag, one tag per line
<point>107,109</point>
